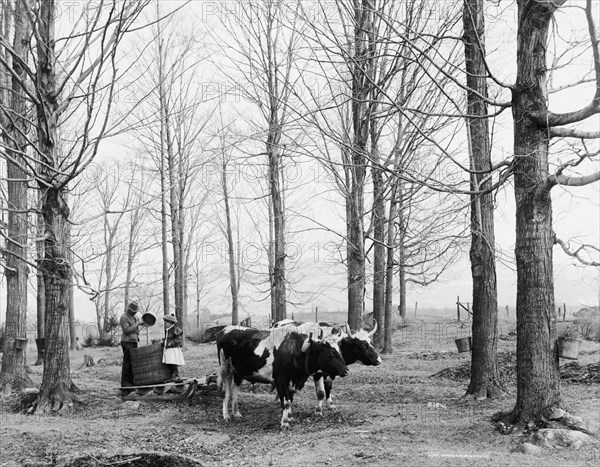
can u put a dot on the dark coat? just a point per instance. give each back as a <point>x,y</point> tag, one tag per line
<point>174,337</point>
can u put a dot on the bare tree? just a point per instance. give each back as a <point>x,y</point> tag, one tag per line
<point>485,381</point>
<point>169,121</point>
<point>265,46</point>
<point>75,90</point>
<point>380,76</point>
<point>234,275</point>
<point>136,239</point>
<point>115,198</point>
<point>538,381</point>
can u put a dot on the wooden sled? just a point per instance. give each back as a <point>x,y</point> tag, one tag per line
<point>169,391</point>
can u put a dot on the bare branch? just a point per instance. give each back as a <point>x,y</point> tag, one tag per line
<point>579,251</point>
<point>551,119</point>
<point>573,133</point>
<point>566,180</point>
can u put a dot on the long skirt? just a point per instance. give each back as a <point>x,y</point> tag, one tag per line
<point>173,356</point>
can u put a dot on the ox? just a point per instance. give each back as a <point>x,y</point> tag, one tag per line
<point>354,348</point>
<point>250,354</point>
<point>297,358</point>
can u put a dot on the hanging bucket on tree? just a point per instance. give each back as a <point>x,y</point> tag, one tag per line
<point>568,348</point>
<point>40,345</point>
<point>21,343</point>
<point>464,344</point>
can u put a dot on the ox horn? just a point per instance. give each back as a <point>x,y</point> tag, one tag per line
<point>348,330</point>
<point>374,329</point>
<point>306,345</point>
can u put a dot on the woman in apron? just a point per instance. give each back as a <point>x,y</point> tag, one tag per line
<point>172,354</point>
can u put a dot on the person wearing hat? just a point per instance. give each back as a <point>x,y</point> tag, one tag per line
<point>130,326</point>
<point>172,354</point>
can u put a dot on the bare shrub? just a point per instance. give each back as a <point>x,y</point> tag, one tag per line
<point>589,327</point>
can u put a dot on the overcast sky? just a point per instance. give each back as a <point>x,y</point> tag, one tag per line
<point>576,211</point>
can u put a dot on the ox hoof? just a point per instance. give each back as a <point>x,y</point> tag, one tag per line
<point>319,412</point>
<point>285,426</point>
<point>237,415</point>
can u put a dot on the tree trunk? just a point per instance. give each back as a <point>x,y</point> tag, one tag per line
<point>41,291</point>
<point>271,256</point>
<point>108,273</point>
<point>362,70</point>
<point>278,293</point>
<point>12,374</point>
<point>163,174</point>
<point>379,250</point>
<point>485,380</point>
<point>401,251</point>
<point>401,277</point>
<point>71,292</point>
<point>538,382</point>
<point>175,205</point>
<point>230,250</point>
<point>56,387</point>
<point>389,274</point>
<point>130,255</point>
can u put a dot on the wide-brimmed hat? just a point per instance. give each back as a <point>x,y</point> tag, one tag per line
<point>133,306</point>
<point>170,318</point>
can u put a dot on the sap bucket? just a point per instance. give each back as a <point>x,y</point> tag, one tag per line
<point>21,343</point>
<point>464,344</point>
<point>568,348</point>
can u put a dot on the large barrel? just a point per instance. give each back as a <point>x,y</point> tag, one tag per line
<point>147,364</point>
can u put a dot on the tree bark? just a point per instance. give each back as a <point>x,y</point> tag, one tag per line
<point>379,248</point>
<point>271,257</point>
<point>71,291</point>
<point>278,292</point>
<point>40,292</point>
<point>163,173</point>
<point>56,387</point>
<point>485,381</point>
<point>402,206</point>
<point>538,382</point>
<point>111,231</point>
<point>389,273</point>
<point>12,374</point>
<point>362,70</point>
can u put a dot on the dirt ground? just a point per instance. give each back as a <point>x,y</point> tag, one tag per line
<point>394,414</point>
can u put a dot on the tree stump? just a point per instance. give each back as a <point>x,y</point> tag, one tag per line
<point>88,361</point>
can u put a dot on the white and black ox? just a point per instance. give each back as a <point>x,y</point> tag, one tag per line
<point>278,357</point>
<point>354,347</point>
